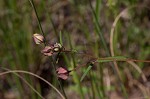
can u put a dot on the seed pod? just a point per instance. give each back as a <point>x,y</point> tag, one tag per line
<point>38,39</point>
<point>62,73</point>
<point>48,51</point>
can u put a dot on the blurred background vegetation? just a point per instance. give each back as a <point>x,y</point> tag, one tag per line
<point>80,22</point>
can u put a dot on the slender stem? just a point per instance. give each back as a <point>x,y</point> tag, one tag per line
<point>26,82</point>
<point>92,85</point>
<point>53,62</point>
<point>113,29</point>
<point>99,32</point>
<point>39,24</point>
<point>114,67</point>
<point>54,66</point>
<point>110,59</point>
<point>51,21</point>
<point>74,65</point>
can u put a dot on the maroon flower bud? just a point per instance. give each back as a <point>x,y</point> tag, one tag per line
<point>38,39</point>
<point>62,73</point>
<point>48,51</point>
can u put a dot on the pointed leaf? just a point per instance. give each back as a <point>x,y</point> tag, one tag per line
<point>85,73</point>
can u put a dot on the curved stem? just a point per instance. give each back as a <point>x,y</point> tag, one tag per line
<point>26,83</point>
<point>29,73</point>
<point>112,35</point>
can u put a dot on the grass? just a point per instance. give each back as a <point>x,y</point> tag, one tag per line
<point>88,30</point>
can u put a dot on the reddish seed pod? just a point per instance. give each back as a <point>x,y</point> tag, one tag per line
<point>48,51</point>
<point>62,73</point>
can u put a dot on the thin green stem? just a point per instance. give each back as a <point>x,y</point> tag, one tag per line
<point>74,65</point>
<point>98,27</point>
<point>54,66</point>
<point>39,24</point>
<point>52,22</point>
<point>92,85</point>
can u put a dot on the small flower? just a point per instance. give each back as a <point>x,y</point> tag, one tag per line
<point>38,39</point>
<point>62,73</point>
<point>48,50</point>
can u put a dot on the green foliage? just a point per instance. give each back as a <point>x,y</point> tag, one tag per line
<point>110,59</point>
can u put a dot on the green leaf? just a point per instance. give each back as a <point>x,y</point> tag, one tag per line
<point>101,61</point>
<point>109,59</point>
<point>85,73</point>
<point>118,57</point>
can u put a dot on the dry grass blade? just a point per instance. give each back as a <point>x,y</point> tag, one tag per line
<point>138,69</point>
<point>27,84</point>
<point>30,86</point>
<point>29,73</point>
<point>132,82</point>
<point>111,40</point>
<point>113,28</point>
